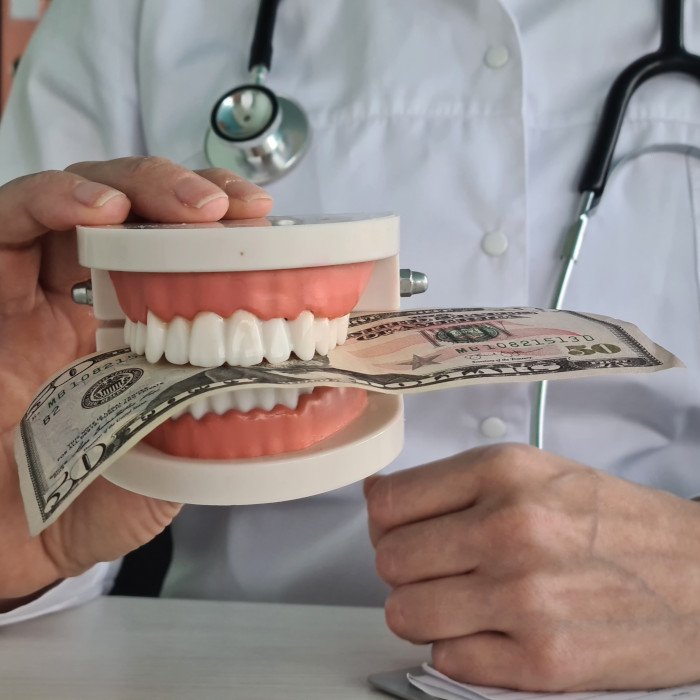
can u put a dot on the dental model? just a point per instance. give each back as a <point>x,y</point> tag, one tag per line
<point>241,293</point>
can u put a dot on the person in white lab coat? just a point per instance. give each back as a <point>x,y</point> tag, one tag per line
<point>470,119</point>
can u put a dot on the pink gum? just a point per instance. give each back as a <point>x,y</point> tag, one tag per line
<point>236,435</point>
<point>328,292</point>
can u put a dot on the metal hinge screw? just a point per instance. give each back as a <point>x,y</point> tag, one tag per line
<point>82,293</point>
<point>412,282</point>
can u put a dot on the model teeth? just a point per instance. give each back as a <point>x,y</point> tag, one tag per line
<point>244,400</point>
<point>177,340</point>
<point>241,340</point>
<point>206,341</point>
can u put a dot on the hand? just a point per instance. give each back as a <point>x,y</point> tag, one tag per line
<point>530,571</point>
<point>42,330</point>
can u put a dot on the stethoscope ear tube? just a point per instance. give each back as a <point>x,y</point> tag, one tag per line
<point>671,57</point>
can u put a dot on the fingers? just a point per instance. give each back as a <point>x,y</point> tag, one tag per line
<point>161,190</point>
<point>424,492</point>
<point>460,616</point>
<point>54,200</point>
<point>445,546</point>
<point>487,658</point>
<point>449,485</point>
<point>246,200</point>
<point>101,193</point>
<point>31,206</point>
<point>445,608</point>
<point>104,523</point>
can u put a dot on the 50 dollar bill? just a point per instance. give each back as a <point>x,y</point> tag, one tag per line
<point>92,412</point>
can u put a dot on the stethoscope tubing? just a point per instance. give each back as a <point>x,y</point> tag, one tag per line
<point>261,46</point>
<point>671,57</point>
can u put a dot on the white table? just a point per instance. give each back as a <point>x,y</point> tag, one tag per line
<point>147,649</point>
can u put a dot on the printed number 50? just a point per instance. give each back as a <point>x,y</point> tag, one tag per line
<point>600,348</point>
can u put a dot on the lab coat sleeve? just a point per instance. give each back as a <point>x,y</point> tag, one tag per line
<point>73,591</point>
<point>75,96</point>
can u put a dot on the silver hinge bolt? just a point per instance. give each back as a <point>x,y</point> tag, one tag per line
<point>82,293</point>
<point>412,282</point>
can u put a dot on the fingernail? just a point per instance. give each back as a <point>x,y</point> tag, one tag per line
<point>94,194</point>
<point>195,192</point>
<point>245,191</point>
<point>255,196</point>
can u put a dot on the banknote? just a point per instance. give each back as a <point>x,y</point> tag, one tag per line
<point>93,411</point>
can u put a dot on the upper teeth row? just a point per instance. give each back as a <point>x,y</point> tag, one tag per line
<point>244,400</point>
<point>240,340</point>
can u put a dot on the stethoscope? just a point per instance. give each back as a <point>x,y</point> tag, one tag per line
<point>262,136</point>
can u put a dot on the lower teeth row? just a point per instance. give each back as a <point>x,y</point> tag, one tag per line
<point>244,400</point>
<point>241,340</point>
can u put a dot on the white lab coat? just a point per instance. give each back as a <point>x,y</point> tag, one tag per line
<point>416,108</point>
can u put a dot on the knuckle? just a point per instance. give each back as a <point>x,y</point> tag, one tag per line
<point>398,614</point>
<point>394,613</point>
<point>462,662</point>
<point>509,458</point>
<point>220,175</point>
<point>506,465</point>
<point>147,166</point>
<point>523,524</point>
<point>553,663</point>
<point>511,451</point>
<point>46,179</point>
<point>385,562</point>
<point>527,595</point>
<point>379,508</point>
<point>467,662</point>
<point>79,166</point>
<point>442,658</point>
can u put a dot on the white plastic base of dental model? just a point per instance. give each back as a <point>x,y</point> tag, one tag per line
<point>290,242</point>
<point>364,447</point>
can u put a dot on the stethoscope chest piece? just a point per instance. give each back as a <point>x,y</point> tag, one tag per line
<point>256,134</point>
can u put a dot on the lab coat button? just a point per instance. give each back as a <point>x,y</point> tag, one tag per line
<point>493,428</point>
<point>497,56</point>
<point>494,243</point>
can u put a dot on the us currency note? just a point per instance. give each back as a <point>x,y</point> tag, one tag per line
<point>92,412</point>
